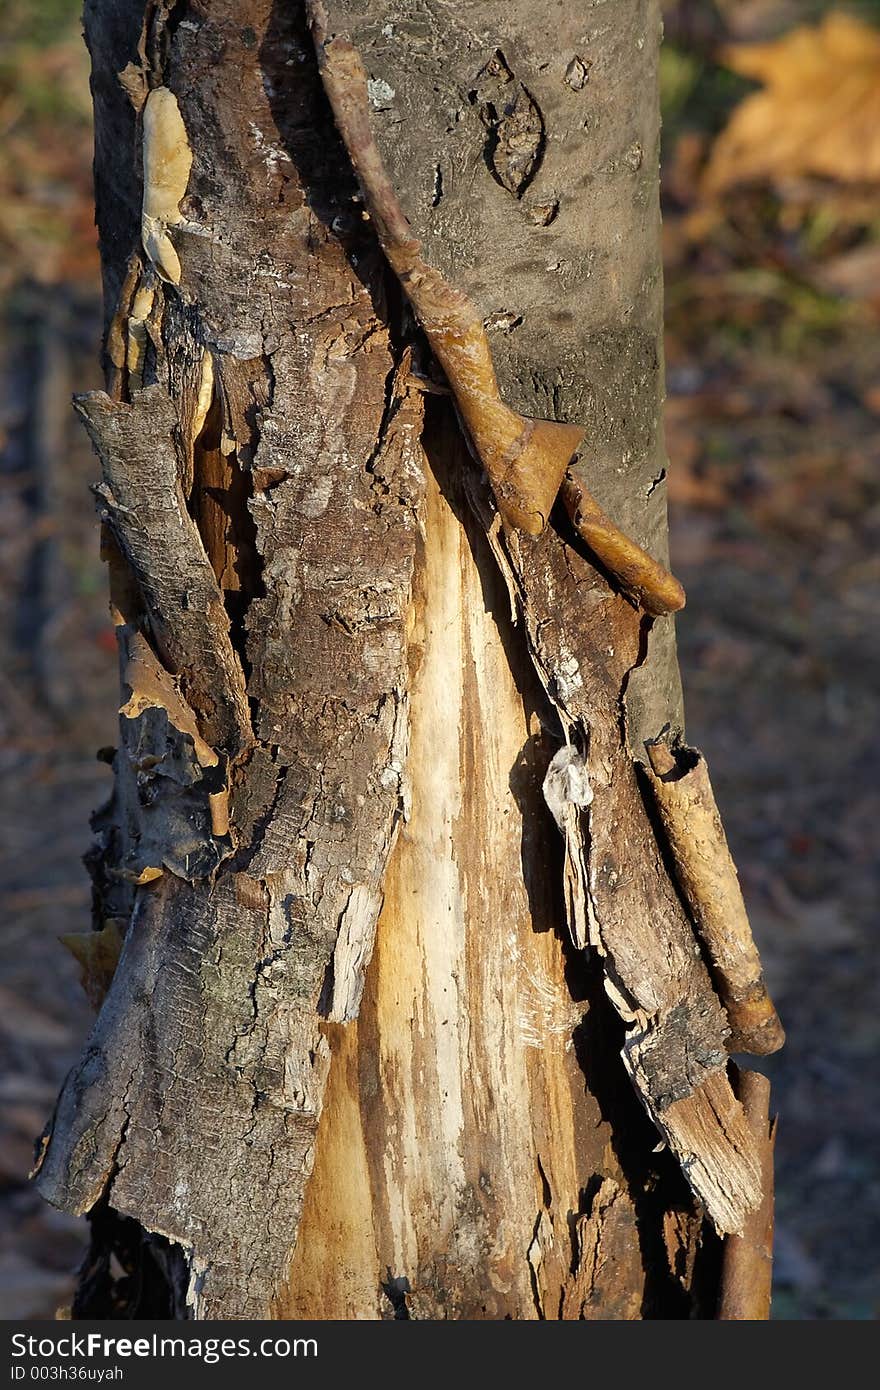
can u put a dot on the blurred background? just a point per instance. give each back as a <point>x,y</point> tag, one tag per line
<point>771,177</point>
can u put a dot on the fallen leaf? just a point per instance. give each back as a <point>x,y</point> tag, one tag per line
<point>818,116</point>
<point>97,953</point>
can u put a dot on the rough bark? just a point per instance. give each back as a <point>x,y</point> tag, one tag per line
<point>345,683</point>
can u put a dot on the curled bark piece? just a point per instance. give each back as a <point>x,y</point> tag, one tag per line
<point>143,501</point>
<point>707,875</point>
<point>643,577</point>
<point>747,1267</point>
<point>525,459</point>
<point>117,331</point>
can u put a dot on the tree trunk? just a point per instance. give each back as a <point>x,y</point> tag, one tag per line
<point>344,681</point>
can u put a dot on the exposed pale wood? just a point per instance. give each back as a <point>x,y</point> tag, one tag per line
<point>457,1118</point>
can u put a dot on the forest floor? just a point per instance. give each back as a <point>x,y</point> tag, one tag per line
<point>773,429</point>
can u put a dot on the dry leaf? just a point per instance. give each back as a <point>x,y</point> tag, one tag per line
<point>97,954</point>
<point>819,114</point>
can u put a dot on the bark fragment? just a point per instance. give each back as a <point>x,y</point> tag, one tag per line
<point>514,125</point>
<point>640,575</point>
<point>605,1248</point>
<point>167,165</point>
<point>144,503</point>
<point>683,794</point>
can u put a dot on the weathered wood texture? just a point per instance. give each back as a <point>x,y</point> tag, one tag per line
<point>747,1266</point>
<point>478,1104</point>
<point>344,682</point>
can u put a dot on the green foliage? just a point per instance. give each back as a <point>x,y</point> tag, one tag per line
<point>37,23</point>
<point>32,32</point>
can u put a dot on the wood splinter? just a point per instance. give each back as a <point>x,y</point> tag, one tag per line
<point>526,459</point>
<point>747,1263</point>
<point>707,875</point>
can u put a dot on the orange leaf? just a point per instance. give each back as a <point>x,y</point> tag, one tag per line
<point>819,114</point>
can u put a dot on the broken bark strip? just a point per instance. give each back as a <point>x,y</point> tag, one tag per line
<point>640,575</point>
<point>683,794</point>
<point>747,1269</point>
<point>143,501</point>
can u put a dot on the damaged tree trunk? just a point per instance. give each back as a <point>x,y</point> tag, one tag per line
<point>412,1017</point>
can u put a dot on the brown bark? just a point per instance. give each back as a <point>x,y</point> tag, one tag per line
<point>747,1267</point>
<point>353,694</point>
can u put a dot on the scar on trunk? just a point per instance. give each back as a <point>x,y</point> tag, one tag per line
<point>526,460</point>
<point>707,876</point>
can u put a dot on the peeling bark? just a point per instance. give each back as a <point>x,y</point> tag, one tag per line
<point>365,1052</point>
<point>707,875</point>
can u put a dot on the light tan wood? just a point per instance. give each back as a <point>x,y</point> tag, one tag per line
<point>459,1086</point>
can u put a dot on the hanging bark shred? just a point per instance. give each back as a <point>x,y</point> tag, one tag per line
<point>707,875</point>
<point>747,1268</point>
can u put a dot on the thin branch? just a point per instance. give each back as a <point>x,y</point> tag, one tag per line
<point>747,1266</point>
<point>707,876</point>
<point>639,574</point>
